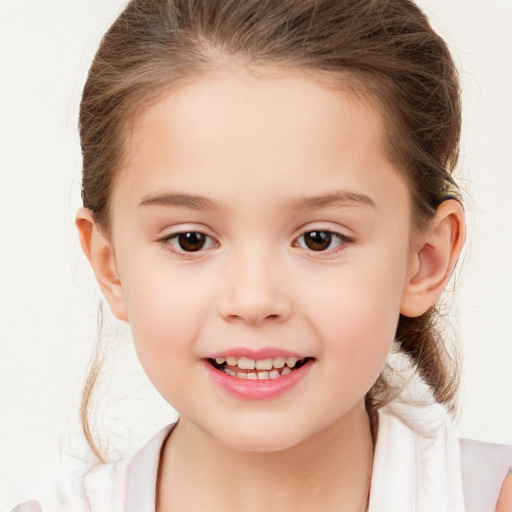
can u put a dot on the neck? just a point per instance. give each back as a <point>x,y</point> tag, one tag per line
<point>328,471</point>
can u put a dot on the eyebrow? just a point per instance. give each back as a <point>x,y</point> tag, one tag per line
<point>179,200</point>
<point>334,199</point>
<point>196,202</point>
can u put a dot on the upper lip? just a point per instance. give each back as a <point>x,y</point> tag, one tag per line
<point>262,353</point>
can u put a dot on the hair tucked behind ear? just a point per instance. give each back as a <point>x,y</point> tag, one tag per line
<point>384,49</point>
<point>95,365</point>
<point>421,341</point>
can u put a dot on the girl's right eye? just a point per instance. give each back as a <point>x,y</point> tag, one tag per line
<point>189,241</point>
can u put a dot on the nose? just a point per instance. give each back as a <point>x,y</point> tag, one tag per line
<point>253,292</point>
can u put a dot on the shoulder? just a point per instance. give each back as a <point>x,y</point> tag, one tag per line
<point>127,485</point>
<point>505,499</point>
<point>100,490</point>
<point>28,506</point>
<point>486,475</point>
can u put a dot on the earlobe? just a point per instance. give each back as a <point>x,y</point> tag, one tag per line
<point>100,254</point>
<point>433,258</point>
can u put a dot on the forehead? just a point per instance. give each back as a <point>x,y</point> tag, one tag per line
<point>235,131</point>
<point>266,93</point>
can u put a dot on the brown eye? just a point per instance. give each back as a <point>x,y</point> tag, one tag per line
<point>318,240</point>
<point>321,240</point>
<point>191,241</point>
<point>188,242</point>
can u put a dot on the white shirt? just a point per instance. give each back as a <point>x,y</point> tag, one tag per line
<point>419,465</point>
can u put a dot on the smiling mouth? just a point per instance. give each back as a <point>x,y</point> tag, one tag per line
<point>258,369</point>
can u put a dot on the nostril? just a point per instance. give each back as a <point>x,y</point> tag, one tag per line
<point>254,317</point>
<point>254,306</point>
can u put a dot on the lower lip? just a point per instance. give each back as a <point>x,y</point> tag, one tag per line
<point>248,389</point>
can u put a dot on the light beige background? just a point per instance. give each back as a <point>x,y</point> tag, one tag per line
<point>48,300</point>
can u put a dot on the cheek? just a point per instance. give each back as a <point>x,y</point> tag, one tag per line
<point>358,330</point>
<point>356,313</point>
<point>166,311</point>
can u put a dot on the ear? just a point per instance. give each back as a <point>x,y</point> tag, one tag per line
<point>99,252</point>
<point>433,258</point>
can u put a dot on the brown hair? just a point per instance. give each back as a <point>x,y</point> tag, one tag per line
<point>384,48</point>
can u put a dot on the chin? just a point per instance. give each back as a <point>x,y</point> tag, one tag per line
<point>256,436</point>
<point>259,443</point>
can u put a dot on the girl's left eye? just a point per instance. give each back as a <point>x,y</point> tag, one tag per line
<point>189,241</point>
<point>321,240</point>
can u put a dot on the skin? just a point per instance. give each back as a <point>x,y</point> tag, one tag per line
<point>263,149</point>
<point>505,500</point>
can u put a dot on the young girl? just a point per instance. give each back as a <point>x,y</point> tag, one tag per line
<point>268,201</point>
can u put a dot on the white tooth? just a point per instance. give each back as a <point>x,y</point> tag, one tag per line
<point>264,364</point>
<point>246,364</point>
<point>274,374</point>
<point>241,375</point>
<point>231,361</point>
<point>229,372</point>
<point>291,361</point>
<point>252,376</point>
<point>220,360</point>
<point>263,375</point>
<point>285,371</point>
<point>279,362</point>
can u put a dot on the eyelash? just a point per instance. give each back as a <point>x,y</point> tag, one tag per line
<point>172,242</point>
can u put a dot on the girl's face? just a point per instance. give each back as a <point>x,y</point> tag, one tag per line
<point>257,219</point>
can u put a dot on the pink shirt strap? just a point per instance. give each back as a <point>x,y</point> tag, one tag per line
<point>484,469</point>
